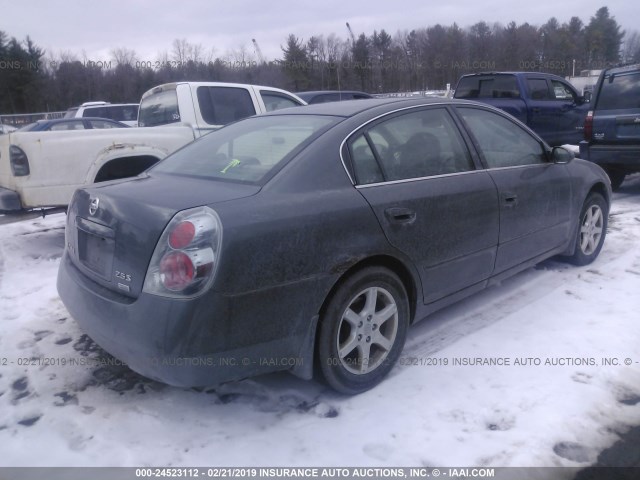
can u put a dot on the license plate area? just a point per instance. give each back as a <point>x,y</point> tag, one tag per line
<point>96,246</point>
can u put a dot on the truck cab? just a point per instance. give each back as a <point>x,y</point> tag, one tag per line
<point>207,106</point>
<point>547,103</point>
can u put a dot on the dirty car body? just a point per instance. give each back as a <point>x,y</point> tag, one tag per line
<point>318,234</point>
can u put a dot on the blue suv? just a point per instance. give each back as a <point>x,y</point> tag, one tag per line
<point>612,127</point>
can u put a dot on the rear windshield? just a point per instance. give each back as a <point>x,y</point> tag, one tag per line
<point>126,113</point>
<point>159,108</point>
<point>247,151</point>
<point>493,86</point>
<point>620,91</point>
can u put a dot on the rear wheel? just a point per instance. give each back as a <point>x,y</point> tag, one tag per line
<point>592,229</point>
<point>362,330</point>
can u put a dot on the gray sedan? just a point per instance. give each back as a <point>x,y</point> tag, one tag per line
<point>315,236</point>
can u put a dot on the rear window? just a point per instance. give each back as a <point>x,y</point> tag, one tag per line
<point>247,151</point>
<point>223,105</point>
<point>620,91</point>
<point>126,113</point>
<point>494,86</point>
<point>159,108</point>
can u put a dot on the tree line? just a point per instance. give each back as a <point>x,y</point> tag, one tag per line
<point>421,59</point>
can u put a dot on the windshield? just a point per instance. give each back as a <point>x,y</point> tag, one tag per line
<point>246,151</point>
<point>159,108</point>
<point>620,91</point>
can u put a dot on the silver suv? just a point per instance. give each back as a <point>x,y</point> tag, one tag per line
<point>126,113</point>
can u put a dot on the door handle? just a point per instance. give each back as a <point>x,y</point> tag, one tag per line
<point>509,200</point>
<point>400,215</point>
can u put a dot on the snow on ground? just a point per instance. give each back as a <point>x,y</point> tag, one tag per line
<point>429,412</point>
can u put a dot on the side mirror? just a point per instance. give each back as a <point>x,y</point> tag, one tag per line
<point>561,155</point>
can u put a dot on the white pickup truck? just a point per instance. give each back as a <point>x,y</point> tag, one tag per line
<point>43,169</point>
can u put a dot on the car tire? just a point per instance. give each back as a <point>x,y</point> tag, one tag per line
<point>592,229</point>
<point>362,330</point>
<point>616,177</point>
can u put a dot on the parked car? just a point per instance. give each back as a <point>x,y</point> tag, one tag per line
<point>323,96</point>
<point>44,171</point>
<point>64,124</point>
<point>319,234</point>
<point>612,127</point>
<point>6,128</point>
<point>123,112</point>
<point>548,104</point>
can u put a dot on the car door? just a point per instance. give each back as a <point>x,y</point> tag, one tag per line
<point>535,194</point>
<point>555,113</point>
<point>434,205</point>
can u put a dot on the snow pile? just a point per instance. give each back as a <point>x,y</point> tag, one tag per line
<point>530,373</point>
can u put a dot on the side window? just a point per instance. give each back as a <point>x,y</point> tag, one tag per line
<point>222,105</point>
<point>561,91</point>
<point>411,145</point>
<point>100,112</point>
<point>129,113</point>
<point>326,98</point>
<point>276,101</point>
<point>502,142</point>
<point>496,86</point>
<point>102,124</point>
<point>538,89</point>
<point>67,126</point>
<point>364,162</point>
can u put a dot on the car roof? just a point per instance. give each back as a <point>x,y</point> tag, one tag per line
<point>626,68</point>
<point>319,92</point>
<point>75,119</point>
<point>349,108</point>
<point>480,74</point>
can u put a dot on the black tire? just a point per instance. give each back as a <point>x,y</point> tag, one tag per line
<point>371,344</point>
<point>616,177</point>
<point>589,242</point>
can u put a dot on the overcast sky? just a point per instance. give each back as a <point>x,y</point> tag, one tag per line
<point>93,29</point>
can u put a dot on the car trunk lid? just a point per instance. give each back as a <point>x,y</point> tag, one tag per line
<point>113,228</point>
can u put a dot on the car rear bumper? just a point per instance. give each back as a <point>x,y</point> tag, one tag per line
<point>187,343</point>
<point>621,156</point>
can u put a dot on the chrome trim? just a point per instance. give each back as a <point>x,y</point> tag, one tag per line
<point>521,166</point>
<point>417,179</point>
<point>344,165</point>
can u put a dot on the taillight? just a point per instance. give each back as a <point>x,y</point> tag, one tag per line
<point>182,235</point>
<point>176,271</point>
<point>588,126</point>
<point>185,259</point>
<point>19,161</point>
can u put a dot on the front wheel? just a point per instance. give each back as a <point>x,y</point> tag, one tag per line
<point>362,330</point>
<point>592,229</point>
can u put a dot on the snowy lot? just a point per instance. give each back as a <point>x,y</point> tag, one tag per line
<point>82,413</point>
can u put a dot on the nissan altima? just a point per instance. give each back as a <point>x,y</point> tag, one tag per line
<point>310,239</point>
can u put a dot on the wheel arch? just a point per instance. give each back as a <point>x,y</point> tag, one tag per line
<point>399,268</point>
<point>598,187</point>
